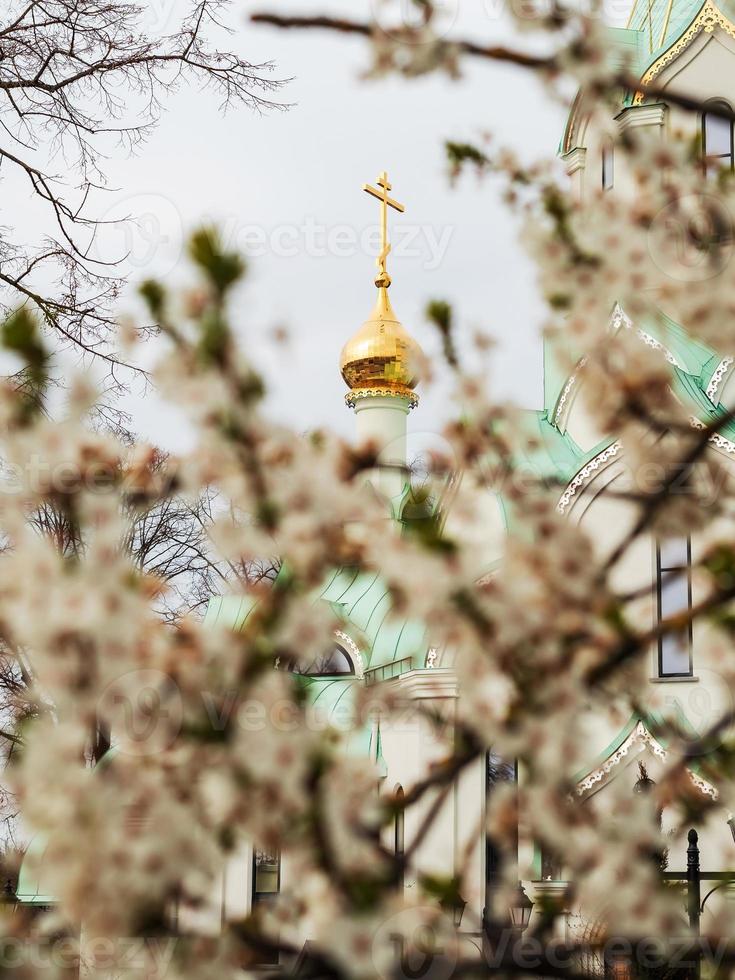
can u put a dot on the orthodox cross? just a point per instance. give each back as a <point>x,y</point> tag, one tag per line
<point>385,203</point>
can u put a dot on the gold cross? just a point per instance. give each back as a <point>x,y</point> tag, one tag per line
<point>385,203</point>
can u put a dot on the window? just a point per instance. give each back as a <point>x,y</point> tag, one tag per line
<point>335,661</point>
<point>717,139</point>
<point>266,885</point>
<point>497,771</point>
<point>399,828</point>
<point>608,165</point>
<point>266,875</point>
<point>550,866</point>
<point>674,594</point>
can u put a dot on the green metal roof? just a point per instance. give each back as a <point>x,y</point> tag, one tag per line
<point>30,890</point>
<point>689,353</point>
<point>656,25</point>
<point>362,601</point>
<point>229,612</point>
<point>629,48</point>
<point>660,22</point>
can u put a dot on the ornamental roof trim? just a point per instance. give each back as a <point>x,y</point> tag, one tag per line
<point>635,733</point>
<point>707,18</point>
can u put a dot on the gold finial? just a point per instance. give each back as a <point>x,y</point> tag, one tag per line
<point>382,359</point>
<point>383,280</point>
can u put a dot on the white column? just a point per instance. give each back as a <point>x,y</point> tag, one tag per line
<point>382,423</point>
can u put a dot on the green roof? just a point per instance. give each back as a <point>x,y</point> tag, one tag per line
<point>656,25</point>
<point>30,888</point>
<point>362,601</point>
<point>660,22</point>
<point>629,48</point>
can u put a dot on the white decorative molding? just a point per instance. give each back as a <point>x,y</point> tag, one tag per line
<point>421,685</point>
<point>620,318</point>
<point>717,440</point>
<point>552,892</point>
<point>720,442</point>
<point>639,736</point>
<point>575,160</point>
<point>352,398</point>
<point>716,379</point>
<point>631,117</point>
<point>349,644</point>
<point>567,389</point>
<point>703,786</point>
<point>586,474</point>
<point>652,342</point>
<point>563,398</point>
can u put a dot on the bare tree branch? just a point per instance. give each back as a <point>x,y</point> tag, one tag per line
<point>75,74</point>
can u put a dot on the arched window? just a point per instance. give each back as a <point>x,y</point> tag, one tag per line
<point>334,662</point>
<point>717,139</point>
<point>674,594</point>
<point>608,165</point>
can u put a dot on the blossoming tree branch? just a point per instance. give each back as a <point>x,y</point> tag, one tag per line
<point>149,754</point>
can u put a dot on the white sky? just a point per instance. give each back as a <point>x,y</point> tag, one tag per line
<point>289,185</point>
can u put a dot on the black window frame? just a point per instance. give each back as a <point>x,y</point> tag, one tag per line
<point>707,159</point>
<point>661,572</point>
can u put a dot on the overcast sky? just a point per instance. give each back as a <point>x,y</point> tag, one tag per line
<point>286,188</point>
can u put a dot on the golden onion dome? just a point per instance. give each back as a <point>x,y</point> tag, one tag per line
<point>382,358</point>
